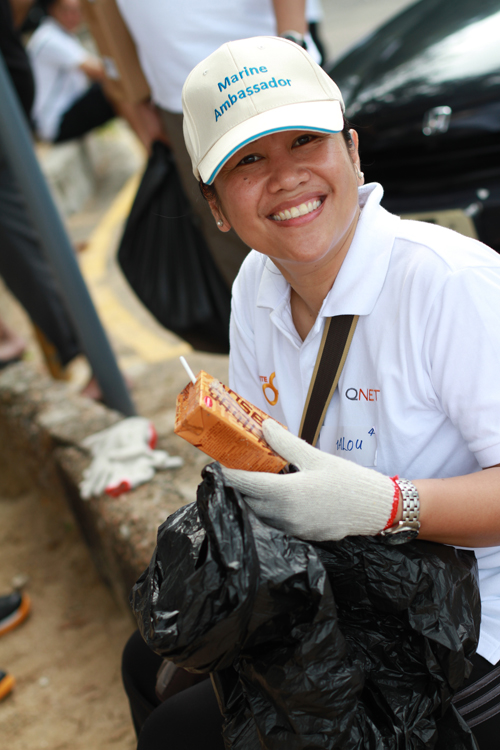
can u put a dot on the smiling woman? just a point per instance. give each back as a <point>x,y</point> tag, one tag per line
<point>283,170</point>
<point>305,182</point>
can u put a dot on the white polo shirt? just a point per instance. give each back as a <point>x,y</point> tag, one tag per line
<point>419,394</point>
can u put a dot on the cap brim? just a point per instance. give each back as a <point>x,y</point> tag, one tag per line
<point>322,117</point>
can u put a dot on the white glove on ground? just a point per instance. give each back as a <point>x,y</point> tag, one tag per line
<point>123,458</point>
<point>328,499</point>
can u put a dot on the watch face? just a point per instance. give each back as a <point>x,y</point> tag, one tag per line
<point>402,533</point>
<point>401,537</point>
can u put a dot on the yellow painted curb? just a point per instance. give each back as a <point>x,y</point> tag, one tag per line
<point>93,261</point>
<point>125,327</point>
<point>117,320</point>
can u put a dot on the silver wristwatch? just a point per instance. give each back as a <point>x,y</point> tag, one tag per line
<point>409,525</point>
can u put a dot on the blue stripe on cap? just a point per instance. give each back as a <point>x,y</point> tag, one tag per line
<point>306,128</point>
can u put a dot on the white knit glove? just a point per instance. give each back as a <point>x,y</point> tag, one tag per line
<point>328,499</point>
<point>123,458</point>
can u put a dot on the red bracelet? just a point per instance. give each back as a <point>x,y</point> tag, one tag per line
<point>395,503</point>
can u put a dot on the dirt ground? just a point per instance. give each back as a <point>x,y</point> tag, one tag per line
<point>66,656</point>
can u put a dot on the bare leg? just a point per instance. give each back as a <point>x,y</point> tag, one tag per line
<point>12,346</point>
<point>92,390</point>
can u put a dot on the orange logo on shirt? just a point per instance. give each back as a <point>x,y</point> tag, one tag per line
<point>268,386</point>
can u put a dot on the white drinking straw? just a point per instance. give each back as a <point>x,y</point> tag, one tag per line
<point>188,370</point>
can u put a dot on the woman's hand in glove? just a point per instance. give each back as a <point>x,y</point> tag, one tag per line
<point>327,499</point>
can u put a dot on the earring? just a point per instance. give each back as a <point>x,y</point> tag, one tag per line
<point>359,173</point>
<point>220,223</point>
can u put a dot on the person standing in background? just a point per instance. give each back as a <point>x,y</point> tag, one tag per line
<point>71,98</point>
<point>171,40</point>
<point>22,264</point>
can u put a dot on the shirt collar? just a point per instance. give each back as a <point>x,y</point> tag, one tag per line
<point>362,274</point>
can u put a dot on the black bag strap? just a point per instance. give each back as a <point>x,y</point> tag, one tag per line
<point>332,355</point>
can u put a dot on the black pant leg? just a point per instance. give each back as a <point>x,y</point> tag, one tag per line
<point>139,668</point>
<point>90,111</point>
<point>190,720</point>
<point>26,272</point>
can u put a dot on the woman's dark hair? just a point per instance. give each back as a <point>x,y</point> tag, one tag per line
<point>210,193</point>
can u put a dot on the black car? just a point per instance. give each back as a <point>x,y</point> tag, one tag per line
<point>423,92</point>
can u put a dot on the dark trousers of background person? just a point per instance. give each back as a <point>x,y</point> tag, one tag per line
<point>191,719</point>
<point>27,273</point>
<point>226,248</point>
<point>90,111</point>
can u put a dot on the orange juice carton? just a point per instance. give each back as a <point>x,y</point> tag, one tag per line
<point>225,426</point>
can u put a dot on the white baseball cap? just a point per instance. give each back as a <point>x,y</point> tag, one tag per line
<point>250,88</point>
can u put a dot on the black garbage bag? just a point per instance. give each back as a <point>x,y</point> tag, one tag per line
<point>166,261</point>
<point>353,644</point>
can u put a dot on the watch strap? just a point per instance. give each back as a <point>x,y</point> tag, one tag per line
<point>409,526</point>
<point>411,501</point>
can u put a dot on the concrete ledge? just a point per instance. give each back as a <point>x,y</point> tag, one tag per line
<point>42,423</point>
<point>69,173</point>
<point>102,161</point>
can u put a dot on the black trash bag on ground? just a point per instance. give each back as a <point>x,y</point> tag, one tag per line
<point>166,261</point>
<point>353,644</point>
